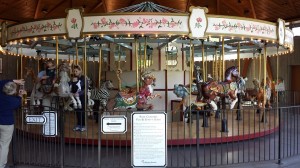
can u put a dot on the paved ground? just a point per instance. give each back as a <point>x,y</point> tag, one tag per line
<point>293,162</point>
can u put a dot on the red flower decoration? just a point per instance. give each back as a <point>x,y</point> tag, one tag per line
<point>73,20</point>
<point>199,19</point>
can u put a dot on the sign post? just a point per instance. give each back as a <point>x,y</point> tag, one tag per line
<point>148,138</point>
<point>113,124</point>
<point>48,119</point>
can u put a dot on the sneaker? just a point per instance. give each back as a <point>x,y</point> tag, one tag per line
<point>77,128</point>
<point>82,129</point>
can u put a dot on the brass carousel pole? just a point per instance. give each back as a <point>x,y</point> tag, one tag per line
<point>214,64</point>
<point>254,62</point>
<point>38,64</point>
<point>192,52</point>
<point>85,80</point>
<point>119,69</point>
<point>203,61</point>
<point>259,66</point>
<point>69,61</point>
<point>100,66</point>
<point>265,82</point>
<point>224,119</point>
<point>277,75</point>
<point>56,52</point>
<point>239,56</point>
<point>21,62</point>
<point>137,63</point>
<point>76,49</point>
<point>220,68</point>
<point>145,52</point>
<point>223,59</point>
<point>238,116</point>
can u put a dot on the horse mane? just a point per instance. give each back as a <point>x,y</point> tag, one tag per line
<point>228,73</point>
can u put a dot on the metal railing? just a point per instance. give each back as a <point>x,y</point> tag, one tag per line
<point>256,135</point>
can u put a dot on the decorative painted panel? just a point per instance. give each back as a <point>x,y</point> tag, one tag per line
<point>74,23</point>
<point>289,39</point>
<point>136,23</point>
<point>38,28</point>
<point>239,27</point>
<point>197,22</point>
<point>280,31</point>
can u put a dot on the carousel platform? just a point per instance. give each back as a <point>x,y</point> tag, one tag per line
<point>251,125</point>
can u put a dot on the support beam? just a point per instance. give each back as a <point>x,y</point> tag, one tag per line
<point>218,7</point>
<point>97,6</point>
<point>187,5</point>
<point>253,10</point>
<point>32,45</point>
<point>233,8</point>
<point>113,41</point>
<point>37,9</point>
<point>246,67</point>
<point>293,6</point>
<point>170,40</point>
<point>269,69</point>
<point>56,6</point>
<point>104,6</point>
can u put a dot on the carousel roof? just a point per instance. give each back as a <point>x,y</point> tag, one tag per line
<point>53,9</point>
<point>19,11</point>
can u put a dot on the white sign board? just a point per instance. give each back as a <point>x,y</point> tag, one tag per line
<point>35,119</point>
<point>148,138</point>
<point>50,127</point>
<point>113,124</point>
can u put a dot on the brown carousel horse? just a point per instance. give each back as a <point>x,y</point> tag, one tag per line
<point>36,95</point>
<point>257,93</point>
<point>212,90</point>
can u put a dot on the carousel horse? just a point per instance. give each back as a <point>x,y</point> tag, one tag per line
<point>228,88</point>
<point>182,92</point>
<point>102,94</point>
<point>146,92</point>
<point>36,95</point>
<point>257,93</point>
<point>132,99</point>
<point>61,88</point>
<point>198,81</point>
<point>251,93</point>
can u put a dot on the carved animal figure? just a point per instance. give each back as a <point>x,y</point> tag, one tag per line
<point>102,94</point>
<point>212,90</point>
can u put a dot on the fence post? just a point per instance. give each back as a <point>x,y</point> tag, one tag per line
<point>279,136</point>
<point>198,136</point>
<point>62,137</point>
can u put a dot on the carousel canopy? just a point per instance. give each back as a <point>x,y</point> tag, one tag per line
<point>145,23</point>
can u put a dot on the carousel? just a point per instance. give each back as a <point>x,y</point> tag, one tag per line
<point>148,57</point>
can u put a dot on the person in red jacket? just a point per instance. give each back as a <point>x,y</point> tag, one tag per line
<point>9,101</point>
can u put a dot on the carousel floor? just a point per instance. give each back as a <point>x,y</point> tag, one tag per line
<point>178,132</point>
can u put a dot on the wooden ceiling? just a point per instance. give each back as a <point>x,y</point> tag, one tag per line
<point>18,11</point>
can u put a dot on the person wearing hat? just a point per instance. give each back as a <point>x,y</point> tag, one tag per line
<point>9,102</point>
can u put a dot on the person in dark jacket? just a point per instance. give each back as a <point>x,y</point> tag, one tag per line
<point>8,103</point>
<point>80,113</point>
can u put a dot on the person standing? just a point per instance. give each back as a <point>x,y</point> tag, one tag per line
<point>8,103</point>
<point>80,113</point>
